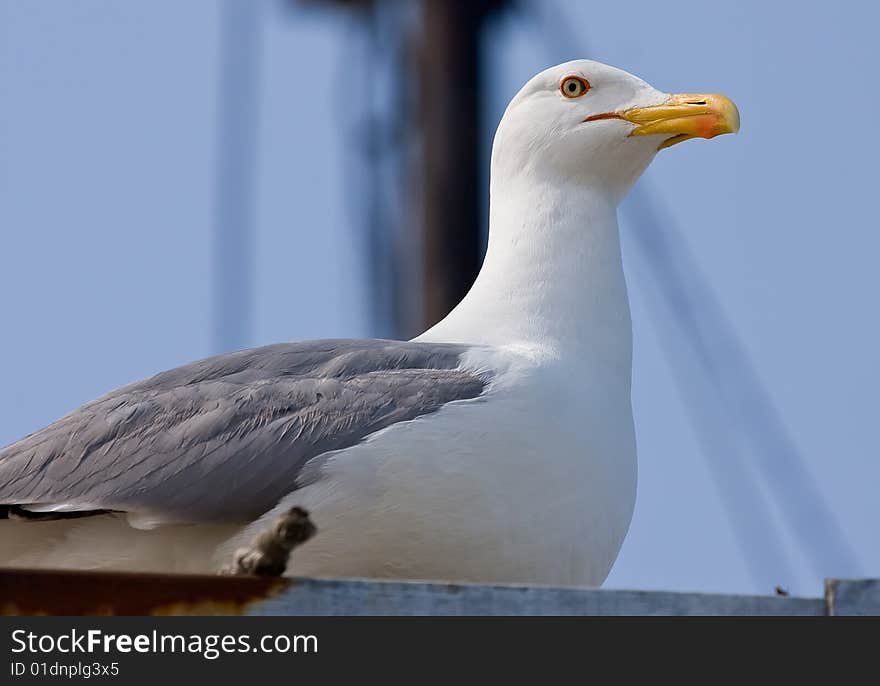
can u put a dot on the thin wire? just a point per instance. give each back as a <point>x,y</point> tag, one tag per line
<point>728,366</point>
<point>362,162</point>
<point>238,97</point>
<point>740,493</point>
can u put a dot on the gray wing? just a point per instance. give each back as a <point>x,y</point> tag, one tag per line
<point>225,438</point>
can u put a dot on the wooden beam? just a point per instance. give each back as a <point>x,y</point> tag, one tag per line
<point>450,96</point>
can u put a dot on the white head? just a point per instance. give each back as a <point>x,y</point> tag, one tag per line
<point>570,145</point>
<point>589,123</point>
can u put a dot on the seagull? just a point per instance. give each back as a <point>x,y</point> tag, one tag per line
<point>496,447</point>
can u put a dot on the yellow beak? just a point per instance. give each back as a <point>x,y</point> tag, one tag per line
<point>685,116</point>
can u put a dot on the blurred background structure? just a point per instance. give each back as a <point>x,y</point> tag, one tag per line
<point>178,179</point>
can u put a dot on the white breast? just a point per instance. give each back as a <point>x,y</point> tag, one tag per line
<point>531,483</point>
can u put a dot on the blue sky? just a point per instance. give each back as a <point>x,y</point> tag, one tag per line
<point>107,150</point>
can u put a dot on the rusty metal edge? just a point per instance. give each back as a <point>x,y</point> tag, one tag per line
<point>63,592</point>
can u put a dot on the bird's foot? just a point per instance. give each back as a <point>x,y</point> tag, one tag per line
<point>268,552</point>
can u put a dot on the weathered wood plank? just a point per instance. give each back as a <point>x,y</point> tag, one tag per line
<point>852,597</point>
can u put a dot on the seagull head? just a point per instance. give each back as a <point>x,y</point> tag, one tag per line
<point>588,122</point>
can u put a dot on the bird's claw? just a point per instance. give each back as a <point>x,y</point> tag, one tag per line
<point>268,553</point>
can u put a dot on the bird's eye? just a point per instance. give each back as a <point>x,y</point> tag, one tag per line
<point>574,86</point>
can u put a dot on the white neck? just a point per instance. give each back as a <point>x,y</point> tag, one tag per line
<point>553,274</point>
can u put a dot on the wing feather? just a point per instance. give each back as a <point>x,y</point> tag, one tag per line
<point>223,439</point>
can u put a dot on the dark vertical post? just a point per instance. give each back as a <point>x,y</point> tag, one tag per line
<point>238,91</point>
<point>449,81</point>
<point>444,78</point>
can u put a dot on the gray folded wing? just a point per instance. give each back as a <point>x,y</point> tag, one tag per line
<point>225,438</point>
